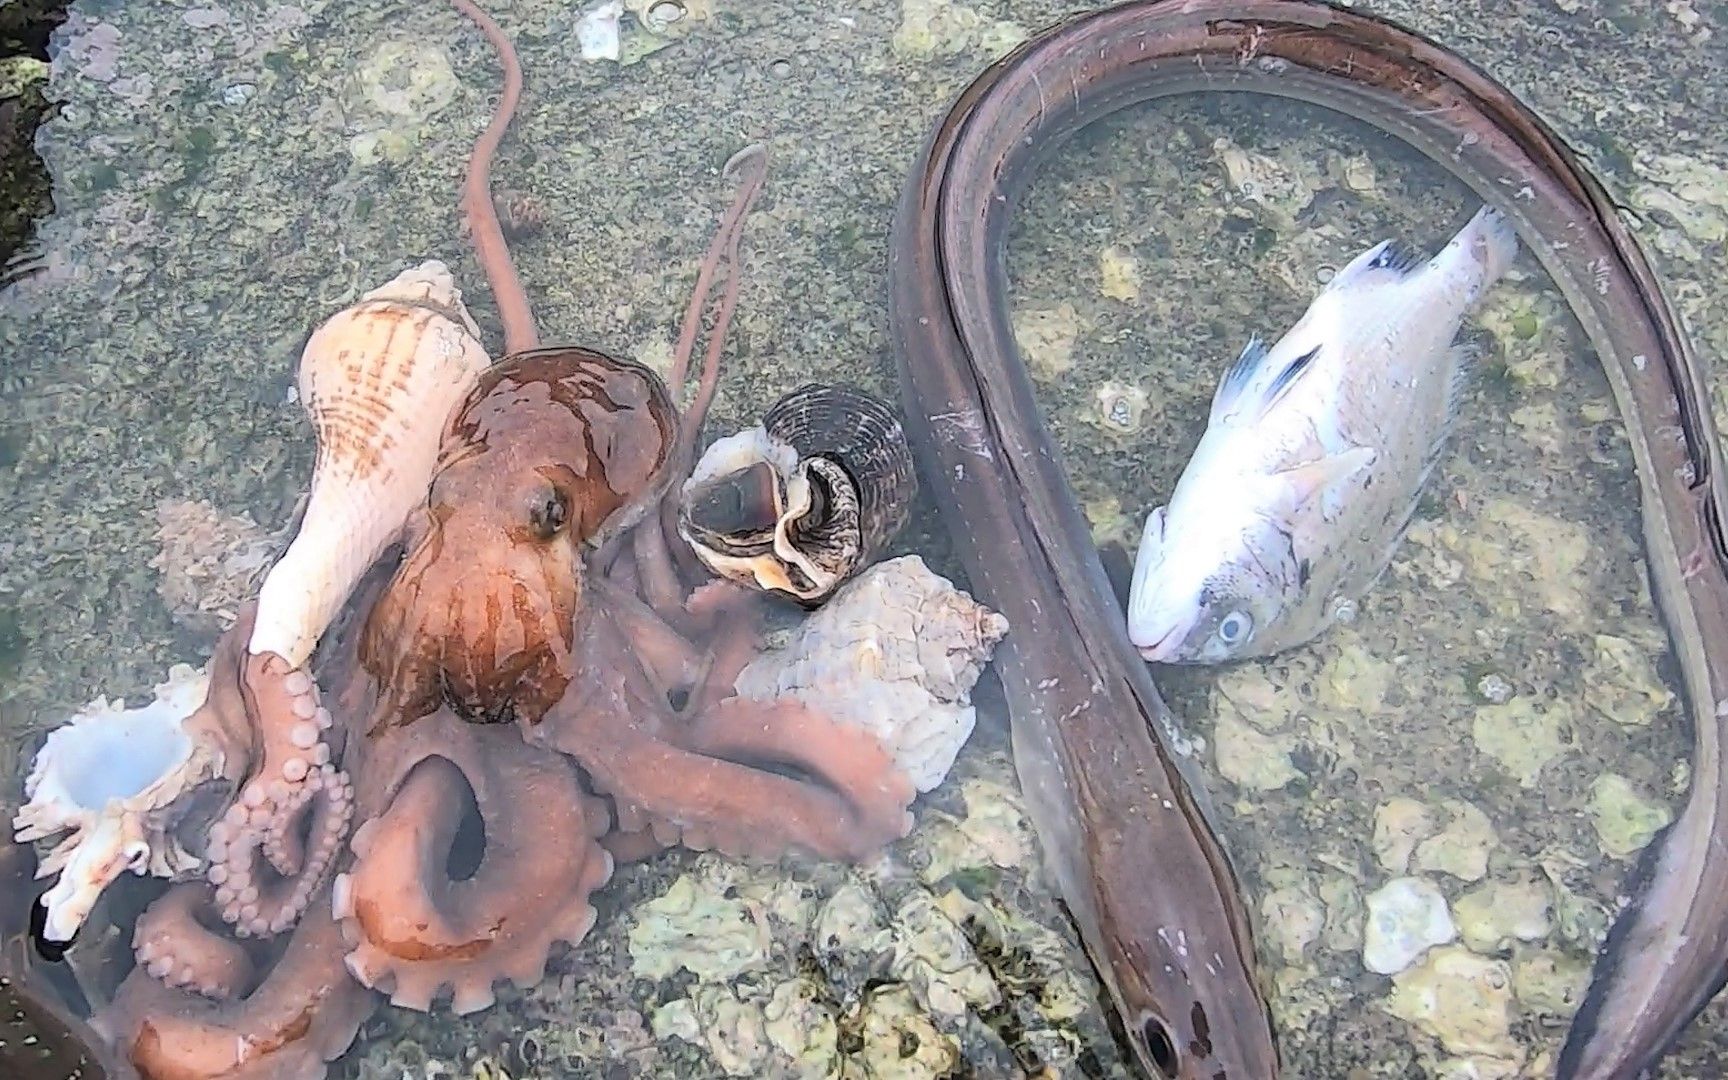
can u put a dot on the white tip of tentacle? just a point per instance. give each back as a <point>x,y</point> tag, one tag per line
<point>470,998</point>
<point>342,897</point>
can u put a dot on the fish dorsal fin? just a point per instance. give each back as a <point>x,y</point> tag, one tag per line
<point>1385,263</point>
<point>1238,376</point>
<point>1251,387</point>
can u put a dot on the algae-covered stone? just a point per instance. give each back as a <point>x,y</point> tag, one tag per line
<point>1577,918</point>
<point>1519,558</point>
<point>1119,274</point>
<point>1625,821</point>
<point>801,1028</point>
<point>1523,735</point>
<point>1462,999</point>
<point>18,73</point>
<point>1255,698</point>
<point>934,958</point>
<point>695,928</point>
<point>1548,981</point>
<point>1345,913</point>
<point>1621,683</point>
<point>1293,917</point>
<point>1046,337</point>
<point>994,835</point>
<point>936,28</point>
<point>1406,917</point>
<point>1399,825</point>
<point>1494,915</point>
<point>1251,758</point>
<point>899,1042</point>
<point>1461,848</point>
<point>1353,677</point>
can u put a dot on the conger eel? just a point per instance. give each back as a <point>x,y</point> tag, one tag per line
<point>1147,882</point>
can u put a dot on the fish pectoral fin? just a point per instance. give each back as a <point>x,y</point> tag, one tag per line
<point>1304,482</point>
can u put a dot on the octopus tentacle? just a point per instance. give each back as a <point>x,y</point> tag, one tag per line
<point>266,895</point>
<point>305,1013</point>
<point>414,928</point>
<point>294,811</point>
<point>710,786</point>
<point>173,944</point>
<point>490,247</point>
<point>653,542</point>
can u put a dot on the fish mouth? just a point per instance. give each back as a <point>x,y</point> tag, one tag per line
<point>1161,650</point>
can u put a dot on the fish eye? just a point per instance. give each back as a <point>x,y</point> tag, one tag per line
<point>1235,628</point>
<point>548,512</point>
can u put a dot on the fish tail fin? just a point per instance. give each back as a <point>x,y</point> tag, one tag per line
<point>1490,238</point>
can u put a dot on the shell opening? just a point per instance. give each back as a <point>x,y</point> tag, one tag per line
<point>118,757</point>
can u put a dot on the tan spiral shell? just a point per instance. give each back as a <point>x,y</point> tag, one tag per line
<point>378,380</point>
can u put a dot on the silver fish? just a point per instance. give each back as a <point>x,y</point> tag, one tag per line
<point>1315,453</point>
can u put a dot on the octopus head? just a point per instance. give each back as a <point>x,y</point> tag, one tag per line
<point>554,451</point>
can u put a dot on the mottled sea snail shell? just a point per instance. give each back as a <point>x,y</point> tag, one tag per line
<point>806,499</point>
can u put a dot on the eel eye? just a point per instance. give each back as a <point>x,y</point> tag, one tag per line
<point>548,513</point>
<point>1159,1046</point>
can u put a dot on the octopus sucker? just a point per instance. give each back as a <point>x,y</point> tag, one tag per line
<point>418,919</point>
<point>118,780</point>
<point>273,848</point>
<point>305,1012</point>
<point>378,380</point>
<point>173,943</point>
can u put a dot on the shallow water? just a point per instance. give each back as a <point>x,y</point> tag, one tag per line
<point>227,175</point>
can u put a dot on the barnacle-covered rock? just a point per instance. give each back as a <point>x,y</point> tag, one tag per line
<point>119,780</point>
<point>897,652</point>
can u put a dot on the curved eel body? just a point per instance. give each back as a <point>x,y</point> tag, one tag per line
<point>1115,805</point>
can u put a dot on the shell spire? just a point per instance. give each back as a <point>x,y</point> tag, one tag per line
<point>864,437</point>
<point>378,381</point>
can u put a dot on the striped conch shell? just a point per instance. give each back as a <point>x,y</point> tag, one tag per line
<point>378,381</point>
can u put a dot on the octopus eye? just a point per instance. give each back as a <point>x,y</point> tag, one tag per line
<point>548,513</point>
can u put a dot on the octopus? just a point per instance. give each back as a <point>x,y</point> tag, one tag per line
<point>537,652</point>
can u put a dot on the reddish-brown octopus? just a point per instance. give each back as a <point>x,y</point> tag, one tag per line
<point>531,659</point>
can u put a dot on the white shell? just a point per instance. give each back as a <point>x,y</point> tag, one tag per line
<point>896,652</point>
<point>111,774</point>
<point>378,381</point>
